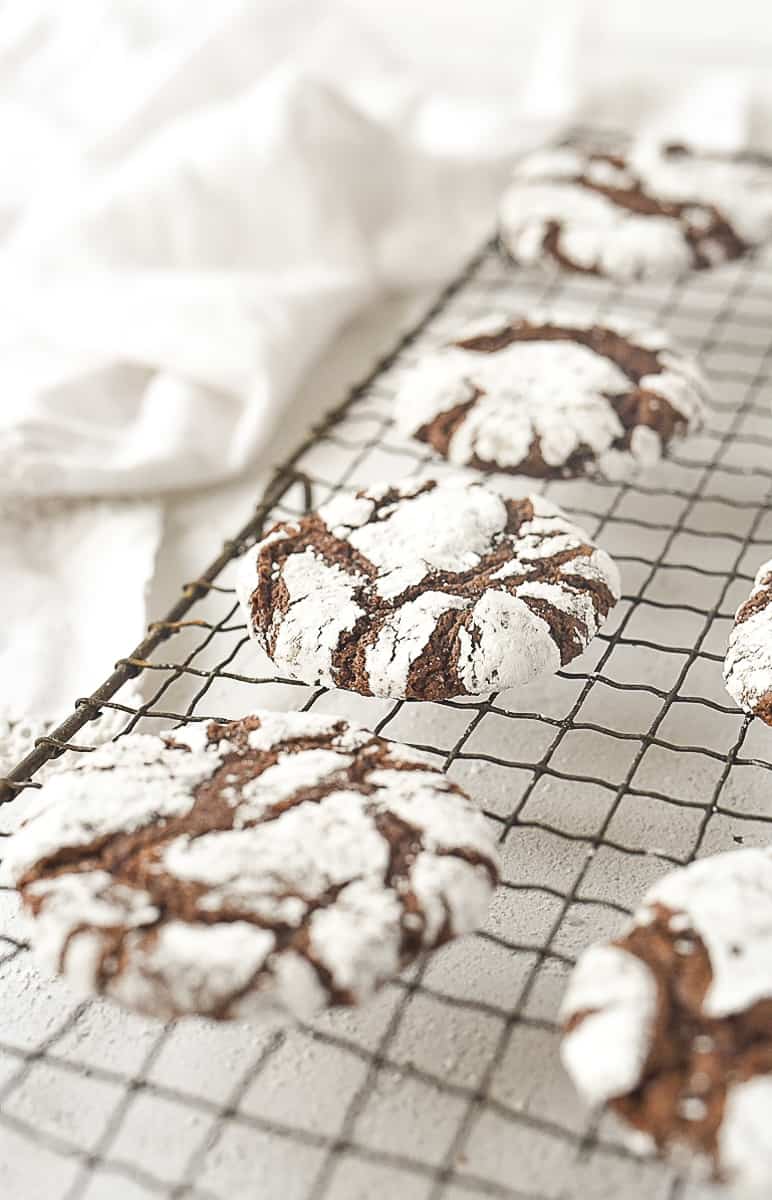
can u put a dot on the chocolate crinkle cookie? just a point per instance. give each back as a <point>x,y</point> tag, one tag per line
<point>657,211</point>
<point>426,590</point>
<point>553,398</point>
<point>748,662</point>
<point>281,862</point>
<point>671,1025</point>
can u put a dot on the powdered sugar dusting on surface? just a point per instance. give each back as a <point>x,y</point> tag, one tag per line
<point>420,798</point>
<point>358,937</point>
<point>550,389</point>
<point>555,393</point>
<point>416,545</point>
<point>270,868</point>
<point>742,191</point>
<point>745,1137</point>
<point>291,772</point>
<point>638,1022</point>
<point>318,865</point>
<point>682,385</point>
<point>321,598</point>
<point>93,895</point>
<point>748,662</point>
<point>606,1052</point>
<point>511,645</point>
<point>155,783</point>
<point>346,512</point>
<point>194,968</point>
<point>402,637</point>
<point>577,604</point>
<point>598,564</point>
<point>728,902</point>
<point>597,234</point>
<point>448,893</point>
<point>446,529</point>
<point>276,727</point>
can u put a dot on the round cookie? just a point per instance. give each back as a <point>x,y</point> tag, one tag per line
<point>284,861</point>
<point>748,662</point>
<point>426,590</point>
<point>552,398</point>
<point>655,212</point>
<point>671,1025</point>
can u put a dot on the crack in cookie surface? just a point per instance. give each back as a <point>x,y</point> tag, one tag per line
<point>704,228</point>
<point>653,211</point>
<point>450,590</point>
<point>284,860</point>
<point>677,1015</point>
<point>553,399</point>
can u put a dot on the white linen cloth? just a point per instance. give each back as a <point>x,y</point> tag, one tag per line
<point>195,199</point>
<point>163,310</point>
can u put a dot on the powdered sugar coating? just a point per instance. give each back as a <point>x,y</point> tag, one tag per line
<point>191,968</point>
<point>154,786</point>
<point>283,862</point>
<point>534,397</point>
<point>740,189</point>
<point>404,635</point>
<point>673,1024</point>
<point>448,528</point>
<point>745,1140</point>
<point>727,901</point>
<point>653,213</point>
<point>91,894</point>
<point>322,597</point>
<point>748,662</point>
<point>605,1053</point>
<point>596,235</point>
<point>435,590</point>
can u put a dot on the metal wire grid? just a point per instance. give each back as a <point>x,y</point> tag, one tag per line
<point>598,780</point>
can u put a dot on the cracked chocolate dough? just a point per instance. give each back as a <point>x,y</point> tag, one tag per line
<point>671,1025</point>
<point>426,590</point>
<point>748,662</point>
<point>552,398</point>
<point>285,861</point>
<point>655,212</point>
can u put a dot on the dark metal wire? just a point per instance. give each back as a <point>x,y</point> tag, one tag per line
<point>88,708</point>
<point>703,478</point>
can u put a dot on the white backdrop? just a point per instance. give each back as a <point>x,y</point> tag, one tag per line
<point>489,44</point>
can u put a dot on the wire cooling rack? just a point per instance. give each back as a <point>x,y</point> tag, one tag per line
<point>598,781</point>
